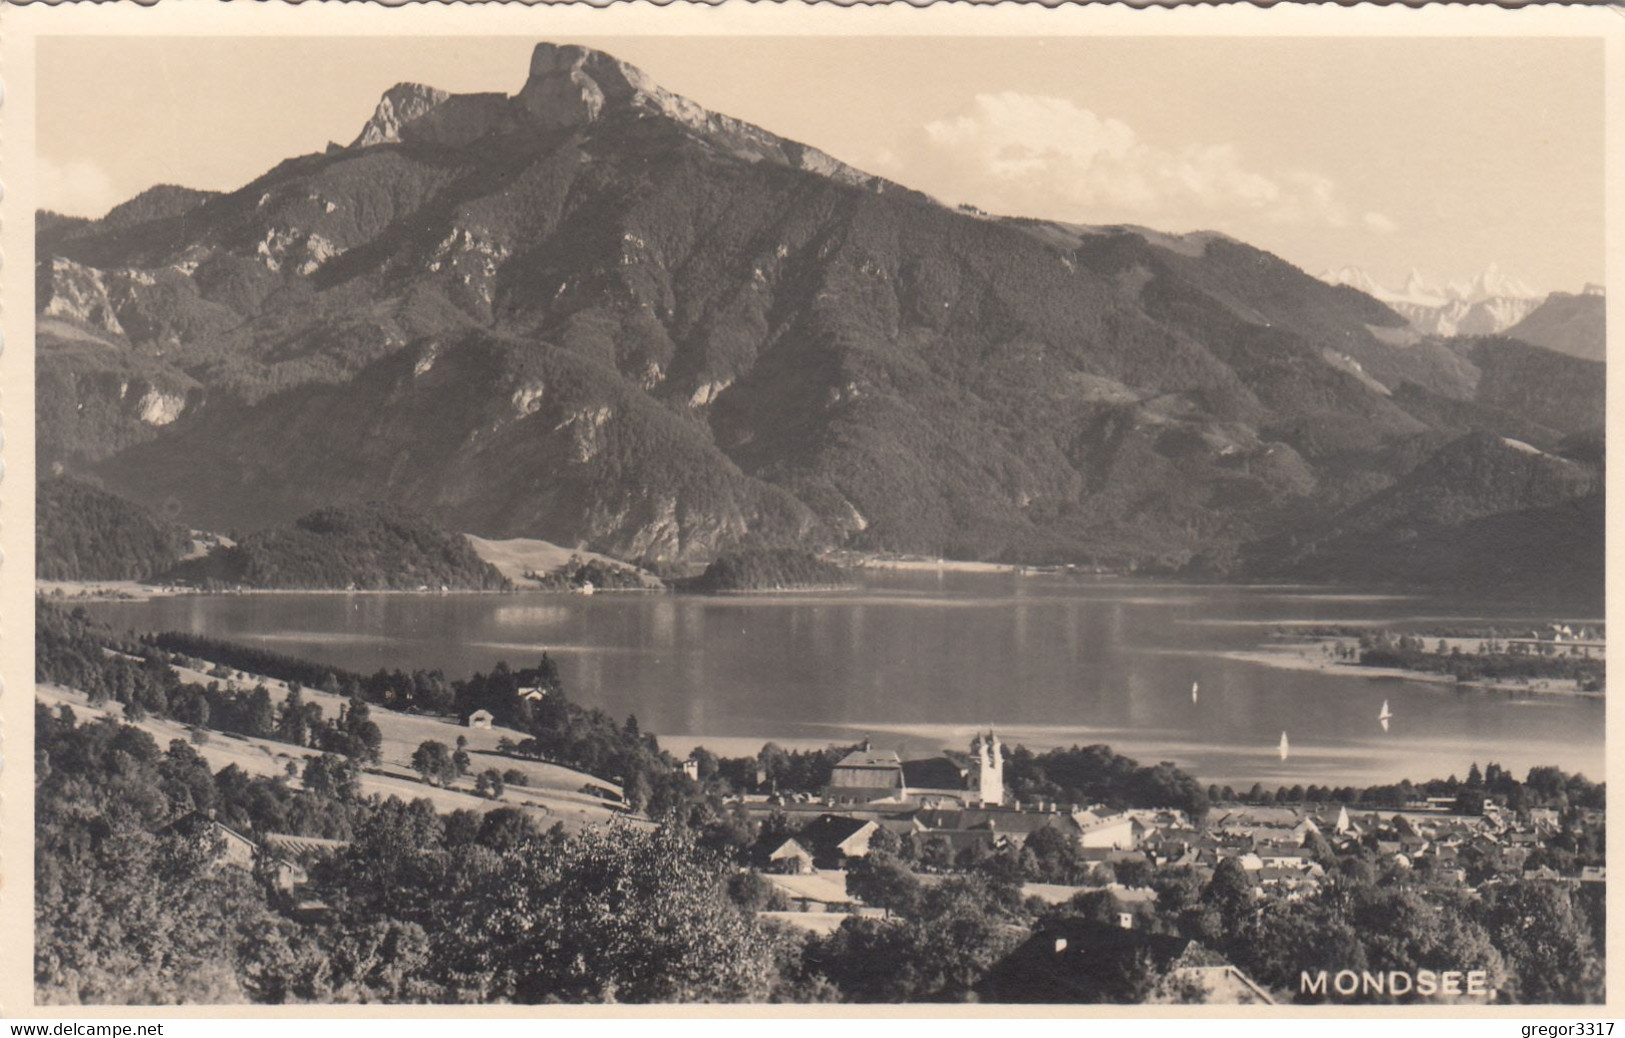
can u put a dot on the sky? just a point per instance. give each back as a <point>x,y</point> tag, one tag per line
<point>1441,155</point>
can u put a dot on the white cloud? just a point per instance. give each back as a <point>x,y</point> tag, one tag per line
<point>74,188</point>
<point>1379,223</point>
<point>1024,153</point>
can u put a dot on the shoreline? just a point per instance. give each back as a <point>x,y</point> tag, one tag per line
<point>66,591</point>
<point>1309,656</point>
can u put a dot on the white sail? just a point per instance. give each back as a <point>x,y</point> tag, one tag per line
<point>1385,716</point>
<point>1193,691</point>
<point>1285,748</point>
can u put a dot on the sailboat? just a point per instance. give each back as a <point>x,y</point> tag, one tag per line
<point>1385,716</point>
<point>1285,747</point>
<point>1194,688</point>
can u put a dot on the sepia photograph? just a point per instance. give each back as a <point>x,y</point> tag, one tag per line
<point>1025,518</point>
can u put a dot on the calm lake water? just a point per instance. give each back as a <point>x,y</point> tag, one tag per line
<point>919,660</point>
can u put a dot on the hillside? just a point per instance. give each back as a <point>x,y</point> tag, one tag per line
<point>594,313</point>
<point>1571,324</point>
<point>376,547</point>
<point>84,533</point>
<point>1482,512</point>
<point>781,570</point>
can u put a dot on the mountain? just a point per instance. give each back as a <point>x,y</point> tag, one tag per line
<point>1486,304</point>
<point>1484,511</point>
<point>369,547</point>
<point>1566,323</point>
<point>85,533</point>
<point>595,313</point>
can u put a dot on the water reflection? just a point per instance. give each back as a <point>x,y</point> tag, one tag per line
<point>931,656</point>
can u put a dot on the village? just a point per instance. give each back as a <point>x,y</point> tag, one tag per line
<point>1146,888</point>
<point>944,815</point>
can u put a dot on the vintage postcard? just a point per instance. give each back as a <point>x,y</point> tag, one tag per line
<point>1066,511</point>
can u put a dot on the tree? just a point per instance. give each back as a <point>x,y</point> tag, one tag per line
<point>290,725</point>
<point>1134,872</point>
<point>938,854</point>
<point>880,879</point>
<point>333,775</point>
<point>623,915</point>
<point>1057,857</point>
<point>507,829</point>
<point>753,892</point>
<point>259,717</point>
<point>433,762</point>
<point>365,738</point>
<point>1098,906</point>
<point>1231,893</point>
<point>956,934</point>
<point>489,784</point>
<point>885,840</point>
<point>636,790</point>
<point>1548,948</point>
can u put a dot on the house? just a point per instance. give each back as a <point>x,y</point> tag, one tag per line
<point>865,775</point>
<point>691,768</point>
<point>1594,874</point>
<point>1105,829</point>
<point>790,858</point>
<point>826,842</point>
<point>999,825</point>
<point>533,692</point>
<point>1275,856</point>
<point>288,876</point>
<point>302,846</point>
<point>1218,986</point>
<point>479,719</point>
<point>235,849</point>
<point>1083,961</point>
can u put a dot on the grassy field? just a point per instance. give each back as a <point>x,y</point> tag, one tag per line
<point>520,555</point>
<point>552,792</point>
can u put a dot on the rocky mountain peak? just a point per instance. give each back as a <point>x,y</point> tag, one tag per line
<point>571,85</point>
<point>400,105</point>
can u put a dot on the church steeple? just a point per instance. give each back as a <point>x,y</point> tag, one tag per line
<point>990,763</point>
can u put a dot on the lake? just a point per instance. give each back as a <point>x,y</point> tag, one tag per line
<point>920,660</point>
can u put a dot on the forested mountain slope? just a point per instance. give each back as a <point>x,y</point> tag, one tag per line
<point>595,313</point>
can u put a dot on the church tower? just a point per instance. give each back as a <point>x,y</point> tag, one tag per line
<point>990,760</point>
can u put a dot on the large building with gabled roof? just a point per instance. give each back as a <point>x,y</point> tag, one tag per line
<point>870,776</point>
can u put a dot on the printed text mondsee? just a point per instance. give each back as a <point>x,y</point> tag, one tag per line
<point>1426,983</point>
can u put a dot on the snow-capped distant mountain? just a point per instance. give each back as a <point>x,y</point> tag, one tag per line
<point>1486,304</point>
<point>1492,284</point>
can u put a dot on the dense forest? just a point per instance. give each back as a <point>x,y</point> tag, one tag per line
<point>370,547</point>
<point>82,532</point>
<point>768,569</point>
